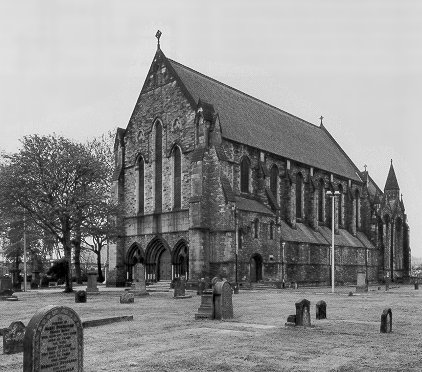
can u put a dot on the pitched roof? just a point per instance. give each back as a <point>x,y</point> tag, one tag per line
<point>245,119</point>
<point>391,183</point>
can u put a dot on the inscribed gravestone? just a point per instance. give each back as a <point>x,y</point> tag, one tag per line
<point>303,317</point>
<point>223,304</point>
<point>127,298</point>
<point>92,282</point>
<point>13,338</point>
<point>53,341</point>
<point>321,310</point>
<point>206,309</point>
<point>361,285</point>
<point>80,296</point>
<point>386,321</point>
<point>138,287</point>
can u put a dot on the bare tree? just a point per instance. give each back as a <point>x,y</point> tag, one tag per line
<point>51,179</point>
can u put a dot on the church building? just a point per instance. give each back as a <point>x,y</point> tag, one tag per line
<point>211,181</point>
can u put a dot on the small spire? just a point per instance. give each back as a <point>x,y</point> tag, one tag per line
<point>365,166</point>
<point>158,35</point>
<point>322,117</point>
<point>391,161</point>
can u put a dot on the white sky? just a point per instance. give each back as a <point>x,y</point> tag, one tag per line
<point>76,68</point>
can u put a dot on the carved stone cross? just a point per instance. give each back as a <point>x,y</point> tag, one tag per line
<point>158,35</point>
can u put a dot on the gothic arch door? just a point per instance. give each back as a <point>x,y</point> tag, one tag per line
<point>164,266</point>
<point>256,268</point>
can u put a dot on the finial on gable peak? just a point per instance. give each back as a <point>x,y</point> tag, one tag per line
<point>158,35</point>
<point>321,118</point>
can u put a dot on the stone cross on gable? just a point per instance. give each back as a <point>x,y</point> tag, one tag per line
<point>322,117</point>
<point>158,35</point>
<point>365,166</point>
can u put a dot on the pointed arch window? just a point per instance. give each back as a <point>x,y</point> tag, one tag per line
<point>274,180</point>
<point>141,186</point>
<point>256,228</point>
<point>321,201</point>
<point>158,166</point>
<point>357,211</point>
<point>340,206</point>
<point>177,178</point>
<point>299,196</point>
<point>244,174</point>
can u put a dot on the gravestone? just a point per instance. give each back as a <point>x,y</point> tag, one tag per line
<point>179,286</point>
<point>92,283</point>
<point>223,304</point>
<point>53,341</point>
<point>201,286</point>
<point>303,317</point>
<point>13,338</point>
<point>361,285</point>
<point>417,284</point>
<point>386,321</point>
<point>138,287</point>
<point>127,298</point>
<point>6,286</point>
<point>206,309</point>
<point>321,310</point>
<point>80,296</point>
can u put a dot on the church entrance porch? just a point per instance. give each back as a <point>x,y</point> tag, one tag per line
<point>255,267</point>
<point>158,260</point>
<point>164,266</point>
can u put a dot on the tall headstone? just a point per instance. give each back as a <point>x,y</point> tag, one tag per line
<point>386,321</point>
<point>13,338</point>
<point>321,310</point>
<point>223,304</point>
<point>303,317</point>
<point>92,282</point>
<point>206,309</point>
<point>179,286</point>
<point>6,286</point>
<point>138,285</point>
<point>361,285</point>
<point>53,341</point>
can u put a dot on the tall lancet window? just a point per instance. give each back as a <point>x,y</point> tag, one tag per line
<point>177,178</point>
<point>158,166</point>
<point>274,181</point>
<point>340,206</point>
<point>244,175</point>
<point>141,188</point>
<point>321,199</point>
<point>357,206</point>
<point>299,196</point>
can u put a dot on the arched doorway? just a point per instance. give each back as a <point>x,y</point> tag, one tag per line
<point>135,255</point>
<point>256,268</point>
<point>158,260</point>
<point>180,259</point>
<point>164,266</point>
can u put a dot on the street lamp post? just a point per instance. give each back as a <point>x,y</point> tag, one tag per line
<point>332,195</point>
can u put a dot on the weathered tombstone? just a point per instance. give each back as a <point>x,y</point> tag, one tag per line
<point>92,282</point>
<point>53,341</point>
<point>138,287</point>
<point>206,309</point>
<point>179,286</point>
<point>417,284</point>
<point>321,310</point>
<point>201,286</point>
<point>223,304</point>
<point>361,285</point>
<point>303,317</point>
<point>127,298</point>
<point>6,287</point>
<point>386,321</point>
<point>80,296</point>
<point>13,338</point>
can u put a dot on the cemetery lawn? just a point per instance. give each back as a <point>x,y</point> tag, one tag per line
<point>164,335</point>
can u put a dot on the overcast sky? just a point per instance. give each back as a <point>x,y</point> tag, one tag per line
<point>76,68</point>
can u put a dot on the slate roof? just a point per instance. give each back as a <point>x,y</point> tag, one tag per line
<point>252,205</point>
<point>245,119</point>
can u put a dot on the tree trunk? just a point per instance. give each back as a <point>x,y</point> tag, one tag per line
<point>100,272</point>
<point>77,252</point>
<point>67,247</point>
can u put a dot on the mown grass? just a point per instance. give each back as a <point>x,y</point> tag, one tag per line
<point>164,336</point>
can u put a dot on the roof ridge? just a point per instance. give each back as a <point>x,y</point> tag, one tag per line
<point>245,94</point>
